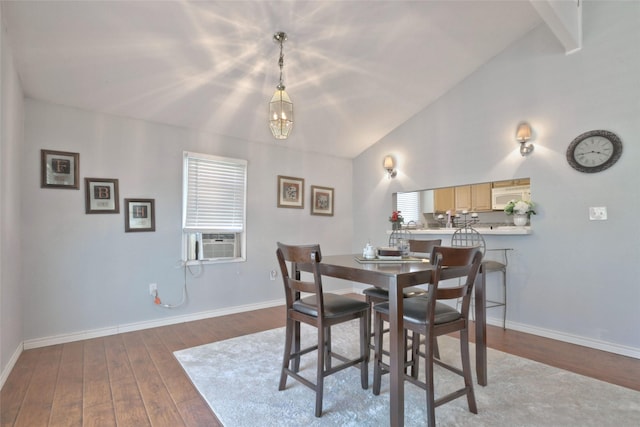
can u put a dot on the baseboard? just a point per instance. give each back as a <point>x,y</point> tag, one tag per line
<point>573,339</point>
<point>118,329</point>
<point>556,335</point>
<point>12,362</point>
<point>96,333</point>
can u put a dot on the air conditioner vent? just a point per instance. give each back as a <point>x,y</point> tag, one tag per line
<point>219,245</point>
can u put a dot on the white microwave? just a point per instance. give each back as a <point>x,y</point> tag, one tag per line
<point>502,195</point>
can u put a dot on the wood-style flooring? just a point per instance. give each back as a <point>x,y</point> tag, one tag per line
<point>132,379</point>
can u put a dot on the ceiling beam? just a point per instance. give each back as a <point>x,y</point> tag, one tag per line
<point>564,18</point>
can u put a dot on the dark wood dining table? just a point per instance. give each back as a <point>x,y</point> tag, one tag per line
<point>394,276</point>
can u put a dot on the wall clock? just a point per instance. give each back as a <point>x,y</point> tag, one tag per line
<point>594,151</point>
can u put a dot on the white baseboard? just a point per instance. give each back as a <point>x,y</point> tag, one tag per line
<point>556,335</point>
<point>12,362</point>
<point>103,332</point>
<point>95,333</point>
<point>572,339</point>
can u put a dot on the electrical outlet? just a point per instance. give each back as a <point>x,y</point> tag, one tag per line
<point>598,213</point>
<point>153,288</point>
<point>273,274</point>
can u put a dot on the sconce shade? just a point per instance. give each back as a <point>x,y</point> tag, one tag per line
<point>388,163</point>
<point>280,114</point>
<point>523,134</point>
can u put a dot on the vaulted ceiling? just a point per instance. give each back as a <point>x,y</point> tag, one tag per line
<point>355,70</point>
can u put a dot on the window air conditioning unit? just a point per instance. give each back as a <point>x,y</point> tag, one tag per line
<point>219,245</point>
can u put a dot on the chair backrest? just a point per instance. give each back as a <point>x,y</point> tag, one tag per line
<point>468,237</point>
<point>457,262</point>
<point>424,246</point>
<point>296,255</point>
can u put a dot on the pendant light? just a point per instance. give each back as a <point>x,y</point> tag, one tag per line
<point>280,107</point>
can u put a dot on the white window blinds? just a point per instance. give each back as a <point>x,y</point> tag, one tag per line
<point>409,206</point>
<point>215,193</point>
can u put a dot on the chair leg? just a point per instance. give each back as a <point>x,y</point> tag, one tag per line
<point>370,338</point>
<point>365,339</point>
<point>286,359</point>
<point>320,370</point>
<point>466,370</point>
<point>327,349</point>
<point>428,379</point>
<point>504,307</point>
<point>296,345</point>
<point>377,354</point>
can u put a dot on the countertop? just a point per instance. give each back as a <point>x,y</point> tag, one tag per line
<point>504,230</point>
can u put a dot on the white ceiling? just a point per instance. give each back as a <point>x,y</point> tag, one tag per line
<point>355,70</point>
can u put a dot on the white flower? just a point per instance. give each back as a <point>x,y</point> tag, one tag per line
<point>521,207</point>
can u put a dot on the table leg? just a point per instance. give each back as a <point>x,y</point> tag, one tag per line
<point>396,358</point>
<point>481,328</point>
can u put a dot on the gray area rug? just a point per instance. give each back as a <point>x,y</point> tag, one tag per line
<point>239,379</point>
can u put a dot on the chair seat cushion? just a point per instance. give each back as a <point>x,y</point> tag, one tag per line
<point>493,266</point>
<point>384,294</point>
<point>334,305</point>
<point>415,311</point>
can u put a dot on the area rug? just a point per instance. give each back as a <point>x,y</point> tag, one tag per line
<point>239,380</point>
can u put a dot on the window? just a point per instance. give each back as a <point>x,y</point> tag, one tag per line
<point>214,208</point>
<point>409,206</point>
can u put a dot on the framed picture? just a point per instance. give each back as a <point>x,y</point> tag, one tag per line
<point>59,169</point>
<point>140,215</point>
<point>290,192</point>
<point>101,195</point>
<point>321,200</point>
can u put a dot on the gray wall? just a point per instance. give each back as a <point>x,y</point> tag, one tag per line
<point>573,278</point>
<point>83,272</point>
<point>11,135</point>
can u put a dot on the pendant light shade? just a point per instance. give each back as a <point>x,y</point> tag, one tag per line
<point>281,114</point>
<point>280,107</point>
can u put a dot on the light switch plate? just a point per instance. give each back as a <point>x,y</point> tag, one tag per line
<point>598,213</point>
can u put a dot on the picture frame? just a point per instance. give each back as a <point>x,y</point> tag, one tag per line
<point>321,200</point>
<point>290,192</point>
<point>139,215</point>
<point>101,195</point>
<point>59,169</point>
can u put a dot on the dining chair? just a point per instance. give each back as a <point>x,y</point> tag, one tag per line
<point>425,316</point>
<point>321,310</point>
<point>469,236</point>
<point>375,295</point>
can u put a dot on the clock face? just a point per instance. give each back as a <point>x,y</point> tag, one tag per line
<point>594,151</point>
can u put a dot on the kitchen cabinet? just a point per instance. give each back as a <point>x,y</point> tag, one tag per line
<point>473,198</point>
<point>481,197</point>
<point>444,200</point>
<point>512,182</point>
<point>463,198</point>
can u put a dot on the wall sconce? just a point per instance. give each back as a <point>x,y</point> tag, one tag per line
<point>389,165</point>
<point>523,134</point>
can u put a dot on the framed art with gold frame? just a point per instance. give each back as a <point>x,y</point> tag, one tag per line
<point>290,192</point>
<point>321,200</point>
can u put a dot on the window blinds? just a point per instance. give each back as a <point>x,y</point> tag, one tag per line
<point>215,193</point>
<point>409,206</point>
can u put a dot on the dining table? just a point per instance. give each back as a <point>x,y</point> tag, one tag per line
<point>394,276</point>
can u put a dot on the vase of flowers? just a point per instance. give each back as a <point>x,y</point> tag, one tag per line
<point>521,211</point>
<point>396,220</point>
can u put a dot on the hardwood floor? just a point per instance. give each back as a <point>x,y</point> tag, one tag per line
<point>132,379</point>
